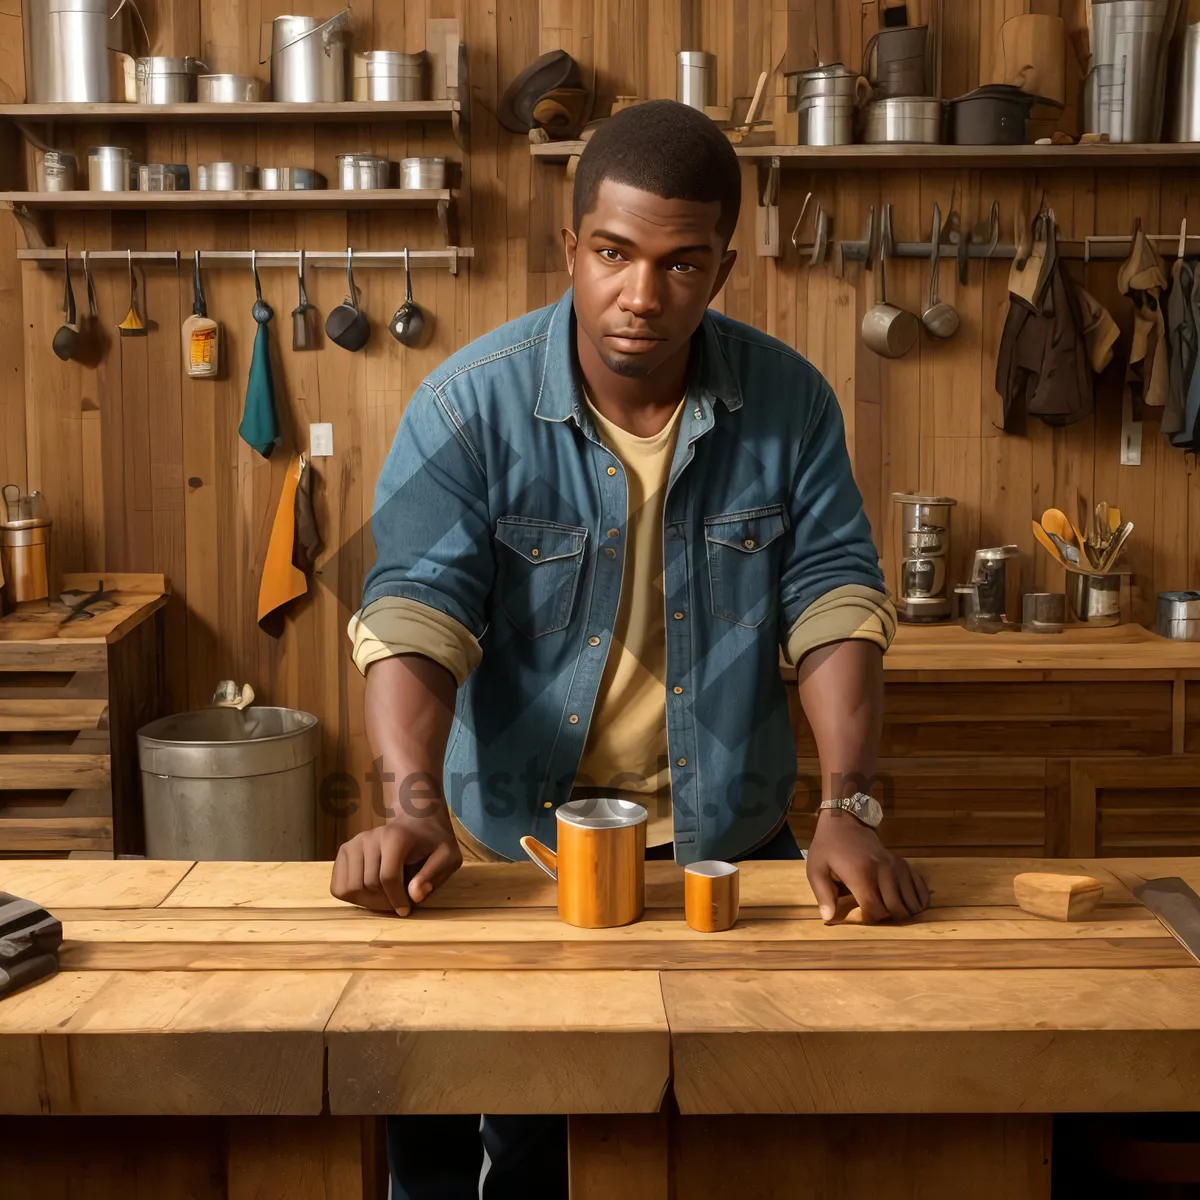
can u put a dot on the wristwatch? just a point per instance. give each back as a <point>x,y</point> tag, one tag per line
<point>866,808</point>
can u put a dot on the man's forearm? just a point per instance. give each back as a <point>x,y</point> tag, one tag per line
<point>409,710</point>
<point>841,690</point>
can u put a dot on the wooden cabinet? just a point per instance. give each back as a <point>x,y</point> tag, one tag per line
<point>72,698</point>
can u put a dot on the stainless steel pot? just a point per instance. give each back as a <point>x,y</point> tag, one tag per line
<point>226,177</point>
<point>836,79</point>
<point>1185,117</point>
<point>390,75</point>
<point>289,179</point>
<point>168,80</point>
<point>826,121</point>
<point>363,172</point>
<point>308,59</point>
<point>422,174</point>
<point>1095,599</point>
<point>1179,616</point>
<point>56,171</point>
<point>110,169</point>
<point>71,49</point>
<point>903,119</point>
<point>696,79</point>
<point>163,177</point>
<point>230,89</point>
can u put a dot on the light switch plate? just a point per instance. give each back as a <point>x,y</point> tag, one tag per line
<point>320,439</point>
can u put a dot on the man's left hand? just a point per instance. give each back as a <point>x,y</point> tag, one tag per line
<point>844,850</point>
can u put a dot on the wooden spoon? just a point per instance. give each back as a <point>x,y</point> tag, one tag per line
<point>1054,520</point>
<point>1044,539</point>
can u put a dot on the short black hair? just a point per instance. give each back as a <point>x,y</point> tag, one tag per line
<point>665,148</point>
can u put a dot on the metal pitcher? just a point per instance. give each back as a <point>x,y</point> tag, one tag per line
<point>78,52</point>
<point>24,545</point>
<point>308,59</point>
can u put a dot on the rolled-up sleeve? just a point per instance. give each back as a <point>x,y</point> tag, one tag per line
<point>846,614</point>
<point>829,543</point>
<point>432,535</point>
<point>392,625</point>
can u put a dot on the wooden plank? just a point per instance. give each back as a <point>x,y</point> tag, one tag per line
<point>54,770</point>
<point>85,883</point>
<point>52,656</point>
<point>619,1155</point>
<point>588,1042</point>
<point>50,715</point>
<point>33,835</point>
<point>173,1043</point>
<point>895,1041</point>
<point>193,113</point>
<point>190,201</point>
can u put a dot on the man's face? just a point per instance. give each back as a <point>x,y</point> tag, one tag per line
<point>644,270</point>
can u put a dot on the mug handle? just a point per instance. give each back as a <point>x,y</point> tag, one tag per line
<point>868,50</point>
<point>862,90</point>
<point>542,855</point>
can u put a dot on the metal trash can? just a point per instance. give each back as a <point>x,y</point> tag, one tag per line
<point>230,784</point>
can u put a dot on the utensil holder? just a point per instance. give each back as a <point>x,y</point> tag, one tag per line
<point>1094,599</point>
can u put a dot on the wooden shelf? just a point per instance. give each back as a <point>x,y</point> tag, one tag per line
<point>894,157</point>
<point>191,201</point>
<point>348,110</point>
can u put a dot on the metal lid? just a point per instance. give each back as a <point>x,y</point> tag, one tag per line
<point>109,152</point>
<point>918,498</point>
<point>161,64</point>
<point>228,743</point>
<point>422,162</point>
<point>601,812</point>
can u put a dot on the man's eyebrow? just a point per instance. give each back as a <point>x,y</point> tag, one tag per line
<point>607,235</point>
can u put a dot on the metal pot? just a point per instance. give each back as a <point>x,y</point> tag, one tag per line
<point>903,119</point>
<point>422,174</point>
<point>836,79</point>
<point>289,179</point>
<point>56,171</point>
<point>363,172</point>
<point>70,47</point>
<point>230,89</point>
<point>226,177</point>
<point>110,169</point>
<point>696,79</point>
<point>1185,123</point>
<point>163,177</point>
<point>1179,616</point>
<point>826,121</point>
<point>994,115</point>
<point>390,75</point>
<point>168,80</point>
<point>308,59</point>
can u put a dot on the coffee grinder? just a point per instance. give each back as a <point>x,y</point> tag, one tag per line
<point>922,540</point>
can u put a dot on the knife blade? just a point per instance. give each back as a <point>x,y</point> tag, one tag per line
<point>1177,908</point>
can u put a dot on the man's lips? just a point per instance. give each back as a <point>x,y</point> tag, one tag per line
<point>632,342</point>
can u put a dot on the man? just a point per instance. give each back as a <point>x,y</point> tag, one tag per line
<point>597,527</point>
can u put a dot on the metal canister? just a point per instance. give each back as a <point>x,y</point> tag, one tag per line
<point>308,59</point>
<point>696,79</point>
<point>109,168</point>
<point>162,80</point>
<point>289,179</point>
<point>226,177</point>
<point>390,75</point>
<point>24,545</point>
<point>56,171</point>
<point>363,172</point>
<point>1185,116</point>
<point>1094,599</point>
<point>69,48</point>
<point>163,177</point>
<point>230,89</point>
<point>1179,616</point>
<point>422,174</point>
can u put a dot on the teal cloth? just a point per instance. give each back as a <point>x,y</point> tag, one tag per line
<point>259,427</point>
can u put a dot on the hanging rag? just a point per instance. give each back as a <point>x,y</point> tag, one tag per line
<point>308,535</point>
<point>1188,435</point>
<point>1100,331</point>
<point>260,428</point>
<point>1143,279</point>
<point>1043,368</point>
<point>281,581</point>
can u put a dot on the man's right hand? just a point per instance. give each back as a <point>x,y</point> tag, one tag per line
<point>370,869</point>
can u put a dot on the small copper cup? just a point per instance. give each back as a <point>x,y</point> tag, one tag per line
<point>711,896</point>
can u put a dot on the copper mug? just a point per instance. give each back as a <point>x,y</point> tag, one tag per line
<point>711,896</point>
<point>600,866</point>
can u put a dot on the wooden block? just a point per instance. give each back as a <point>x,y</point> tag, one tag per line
<point>54,770</point>
<point>45,716</point>
<point>36,835</point>
<point>498,1041</point>
<point>1058,897</point>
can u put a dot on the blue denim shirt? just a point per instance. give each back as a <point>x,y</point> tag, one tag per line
<point>495,506</point>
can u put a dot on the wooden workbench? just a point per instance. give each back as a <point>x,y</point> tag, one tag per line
<point>210,993</point>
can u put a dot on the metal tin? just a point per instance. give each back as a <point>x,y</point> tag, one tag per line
<point>163,177</point>
<point>1179,616</point>
<point>162,80</point>
<point>900,119</point>
<point>226,177</point>
<point>109,169</point>
<point>1095,599</point>
<point>422,174</point>
<point>69,48</point>
<point>363,172</point>
<point>696,79</point>
<point>835,79</point>
<point>57,170</point>
<point>1043,612</point>
<point>1185,123</point>
<point>289,179</point>
<point>308,59</point>
<point>390,75</point>
<point>230,89</point>
<point>826,121</point>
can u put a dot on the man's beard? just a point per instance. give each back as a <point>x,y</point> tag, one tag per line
<point>627,365</point>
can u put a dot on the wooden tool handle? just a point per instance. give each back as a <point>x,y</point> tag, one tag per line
<point>1058,897</point>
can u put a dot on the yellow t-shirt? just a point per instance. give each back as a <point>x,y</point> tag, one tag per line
<point>626,750</point>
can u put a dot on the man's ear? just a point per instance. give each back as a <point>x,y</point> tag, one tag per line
<point>727,261</point>
<point>570,245</point>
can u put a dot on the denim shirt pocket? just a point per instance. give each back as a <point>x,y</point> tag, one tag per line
<point>538,566</point>
<point>743,572</point>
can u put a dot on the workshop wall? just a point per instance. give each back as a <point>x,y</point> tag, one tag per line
<point>143,467</point>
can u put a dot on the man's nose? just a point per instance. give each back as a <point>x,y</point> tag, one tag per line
<point>642,293</point>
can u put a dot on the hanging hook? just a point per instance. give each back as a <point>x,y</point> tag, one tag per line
<point>1182,239</point>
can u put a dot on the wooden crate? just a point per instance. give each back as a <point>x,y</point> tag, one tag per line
<point>72,698</point>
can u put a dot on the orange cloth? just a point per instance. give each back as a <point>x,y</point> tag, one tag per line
<point>281,581</point>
